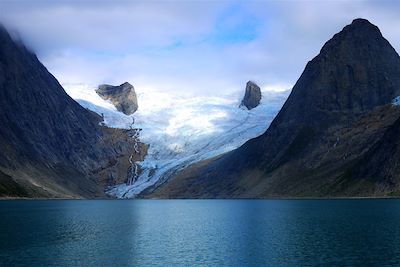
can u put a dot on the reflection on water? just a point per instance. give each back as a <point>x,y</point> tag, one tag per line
<point>200,232</point>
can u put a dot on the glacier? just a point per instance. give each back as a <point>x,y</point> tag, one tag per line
<point>181,130</point>
<point>396,101</point>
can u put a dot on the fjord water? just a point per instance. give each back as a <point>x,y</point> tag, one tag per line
<point>200,232</point>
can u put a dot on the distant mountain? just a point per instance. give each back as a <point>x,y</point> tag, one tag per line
<point>123,97</point>
<point>336,135</point>
<point>50,146</point>
<point>252,96</point>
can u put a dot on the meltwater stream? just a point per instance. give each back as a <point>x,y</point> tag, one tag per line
<point>182,130</point>
<point>200,233</point>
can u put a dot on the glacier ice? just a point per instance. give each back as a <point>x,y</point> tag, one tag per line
<point>181,130</point>
<point>396,101</point>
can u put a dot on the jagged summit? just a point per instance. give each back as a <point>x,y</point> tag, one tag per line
<point>359,32</point>
<point>252,95</point>
<point>362,23</point>
<point>122,96</point>
<point>349,75</point>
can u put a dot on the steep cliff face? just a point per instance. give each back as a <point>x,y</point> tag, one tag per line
<point>252,96</point>
<point>123,97</point>
<point>49,144</point>
<point>337,123</point>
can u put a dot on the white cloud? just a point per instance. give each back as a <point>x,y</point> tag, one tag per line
<point>201,47</point>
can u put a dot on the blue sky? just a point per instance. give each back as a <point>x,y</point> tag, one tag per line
<point>190,47</point>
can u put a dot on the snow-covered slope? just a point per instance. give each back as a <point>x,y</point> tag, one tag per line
<point>182,130</point>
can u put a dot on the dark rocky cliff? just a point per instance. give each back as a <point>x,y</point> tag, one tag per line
<point>50,146</point>
<point>334,136</point>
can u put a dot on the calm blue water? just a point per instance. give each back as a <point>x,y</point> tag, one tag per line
<point>200,233</point>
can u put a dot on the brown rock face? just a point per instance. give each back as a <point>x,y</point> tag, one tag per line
<point>50,146</point>
<point>336,135</point>
<point>123,97</point>
<point>252,96</point>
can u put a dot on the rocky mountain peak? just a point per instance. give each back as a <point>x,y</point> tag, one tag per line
<point>355,71</point>
<point>359,33</point>
<point>336,134</point>
<point>122,96</point>
<point>252,96</point>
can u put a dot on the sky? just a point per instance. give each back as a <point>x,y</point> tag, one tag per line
<point>186,47</point>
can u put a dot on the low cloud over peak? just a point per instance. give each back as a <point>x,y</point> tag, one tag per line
<point>204,47</point>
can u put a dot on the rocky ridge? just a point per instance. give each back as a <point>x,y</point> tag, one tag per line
<point>50,146</point>
<point>335,136</point>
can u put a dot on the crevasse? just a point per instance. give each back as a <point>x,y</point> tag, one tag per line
<point>181,131</point>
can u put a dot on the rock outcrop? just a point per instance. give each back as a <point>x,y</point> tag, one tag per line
<point>50,146</point>
<point>252,96</point>
<point>123,97</point>
<point>336,135</point>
